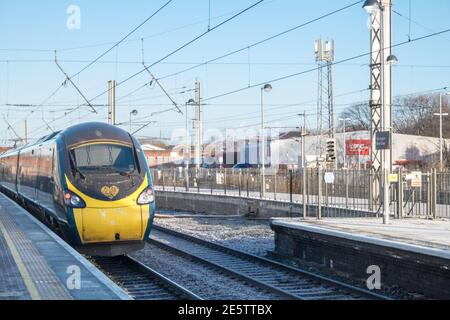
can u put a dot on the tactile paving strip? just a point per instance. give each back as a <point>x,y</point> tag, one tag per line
<point>12,286</point>
<point>48,285</point>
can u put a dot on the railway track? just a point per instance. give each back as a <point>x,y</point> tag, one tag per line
<point>140,281</point>
<point>279,279</point>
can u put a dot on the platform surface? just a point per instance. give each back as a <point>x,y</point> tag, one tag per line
<point>416,235</point>
<point>36,264</point>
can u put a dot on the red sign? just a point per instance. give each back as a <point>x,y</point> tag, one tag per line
<point>357,147</point>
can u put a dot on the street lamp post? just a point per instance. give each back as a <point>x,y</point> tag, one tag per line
<point>266,88</point>
<point>132,113</point>
<point>304,164</point>
<point>441,135</point>
<point>345,140</point>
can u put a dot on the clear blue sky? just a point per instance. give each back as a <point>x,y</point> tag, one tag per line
<point>28,77</point>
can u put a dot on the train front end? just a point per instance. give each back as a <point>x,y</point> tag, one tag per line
<point>107,190</point>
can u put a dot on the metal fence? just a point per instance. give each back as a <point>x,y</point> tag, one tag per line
<point>334,193</point>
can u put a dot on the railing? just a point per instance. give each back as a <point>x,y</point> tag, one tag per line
<point>339,192</point>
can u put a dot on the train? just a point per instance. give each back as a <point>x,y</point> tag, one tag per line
<point>89,182</point>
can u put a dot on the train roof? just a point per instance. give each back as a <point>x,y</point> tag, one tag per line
<point>80,133</point>
<point>92,131</point>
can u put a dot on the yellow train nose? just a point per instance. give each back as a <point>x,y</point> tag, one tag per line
<point>112,224</point>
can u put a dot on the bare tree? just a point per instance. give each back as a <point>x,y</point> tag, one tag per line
<point>359,115</point>
<point>412,115</point>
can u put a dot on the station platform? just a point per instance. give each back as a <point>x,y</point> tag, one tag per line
<point>35,264</point>
<point>411,253</point>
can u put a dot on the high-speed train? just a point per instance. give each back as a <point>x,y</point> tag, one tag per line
<point>89,182</point>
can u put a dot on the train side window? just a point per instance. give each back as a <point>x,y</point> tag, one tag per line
<point>136,157</point>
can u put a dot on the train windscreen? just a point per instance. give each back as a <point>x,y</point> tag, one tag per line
<point>103,158</point>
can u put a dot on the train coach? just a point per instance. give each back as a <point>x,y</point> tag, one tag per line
<point>90,183</point>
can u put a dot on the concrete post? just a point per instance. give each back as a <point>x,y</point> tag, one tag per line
<point>248,178</point>
<point>305,207</point>
<point>225,181</point>
<point>174,180</point>
<point>212,182</point>
<point>400,213</point>
<point>290,185</point>
<point>240,181</point>
<point>434,193</point>
<point>275,186</point>
<point>319,193</point>
<point>346,188</point>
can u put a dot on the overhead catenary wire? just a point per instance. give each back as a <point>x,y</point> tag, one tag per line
<point>294,115</point>
<point>410,20</point>
<point>314,69</point>
<point>302,25</point>
<point>241,12</point>
<point>278,106</point>
<point>236,51</point>
<point>157,81</point>
<point>104,44</point>
<point>124,38</point>
<point>246,63</point>
<point>69,78</point>
<point>333,63</point>
<point>310,111</point>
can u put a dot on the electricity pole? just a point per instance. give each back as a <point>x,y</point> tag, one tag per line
<point>266,88</point>
<point>112,103</point>
<point>381,97</point>
<point>198,126</point>
<point>187,146</point>
<point>441,135</point>
<point>304,175</point>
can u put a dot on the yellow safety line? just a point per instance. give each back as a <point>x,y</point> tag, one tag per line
<point>20,265</point>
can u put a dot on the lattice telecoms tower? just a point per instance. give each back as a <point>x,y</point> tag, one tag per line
<point>325,104</point>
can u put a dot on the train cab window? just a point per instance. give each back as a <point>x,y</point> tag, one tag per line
<point>104,157</point>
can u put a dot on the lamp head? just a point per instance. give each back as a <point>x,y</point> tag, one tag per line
<point>134,113</point>
<point>392,60</point>
<point>371,6</point>
<point>267,88</point>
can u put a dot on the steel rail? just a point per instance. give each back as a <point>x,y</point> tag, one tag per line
<point>288,290</point>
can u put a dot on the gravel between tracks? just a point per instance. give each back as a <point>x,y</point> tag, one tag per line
<point>252,236</point>
<point>202,281</point>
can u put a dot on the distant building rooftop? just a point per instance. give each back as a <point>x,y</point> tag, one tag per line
<point>150,147</point>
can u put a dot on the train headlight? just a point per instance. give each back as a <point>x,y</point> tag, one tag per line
<point>73,201</point>
<point>147,196</point>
